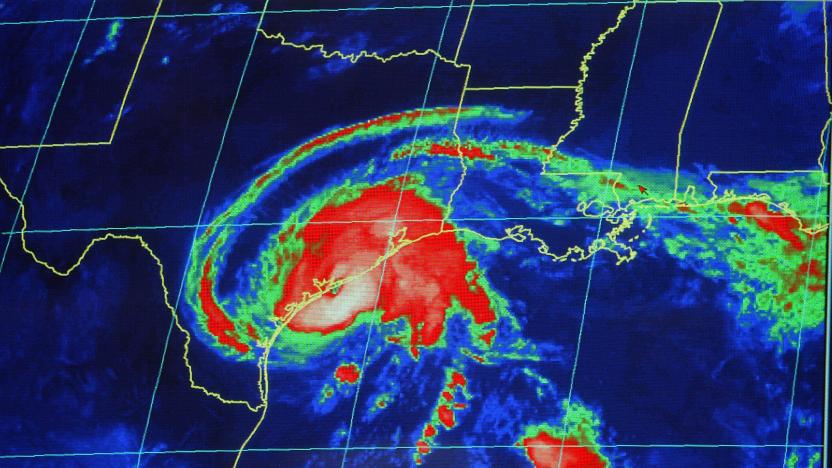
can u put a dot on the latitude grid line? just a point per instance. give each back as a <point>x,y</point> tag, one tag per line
<point>397,447</point>
<point>393,8</point>
<point>598,230</point>
<point>196,230</point>
<point>372,325</point>
<point>415,220</point>
<point>438,447</point>
<point>824,160</point>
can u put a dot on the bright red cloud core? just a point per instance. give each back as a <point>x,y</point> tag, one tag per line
<point>419,280</point>
<point>544,451</point>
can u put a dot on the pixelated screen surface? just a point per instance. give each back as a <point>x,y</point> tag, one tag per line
<point>414,232</point>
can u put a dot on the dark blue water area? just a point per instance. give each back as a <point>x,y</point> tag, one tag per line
<point>289,405</point>
<point>415,387</point>
<point>507,401</point>
<point>453,456</point>
<point>668,352</point>
<point>499,407</point>
<point>300,458</point>
<point>708,457</point>
<point>545,296</point>
<point>807,415</point>
<point>441,457</point>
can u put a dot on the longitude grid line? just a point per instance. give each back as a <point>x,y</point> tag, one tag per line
<point>827,329</point>
<point>391,448</point>
<point>43,136</point>
<point>393,232</point>
<point>196,230</point>
<point>600,222</point>
<point>414,220</point>
<point>828,302</point>
<point>803,309</point>
<point>379,8</point>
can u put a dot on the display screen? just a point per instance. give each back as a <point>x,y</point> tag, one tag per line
<point>430,233</point>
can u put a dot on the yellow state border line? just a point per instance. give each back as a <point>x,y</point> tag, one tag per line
<point>455,129</point>
<point>354,57</point>
<point>690,99</point>
<point>825,182</point>
<point>123,104</point>
<point>161,273</point>
<point>784,206</point>
<point>758,172</point>
<point>529,87</point>
<point>826,127</point>
<point>583,68</point>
